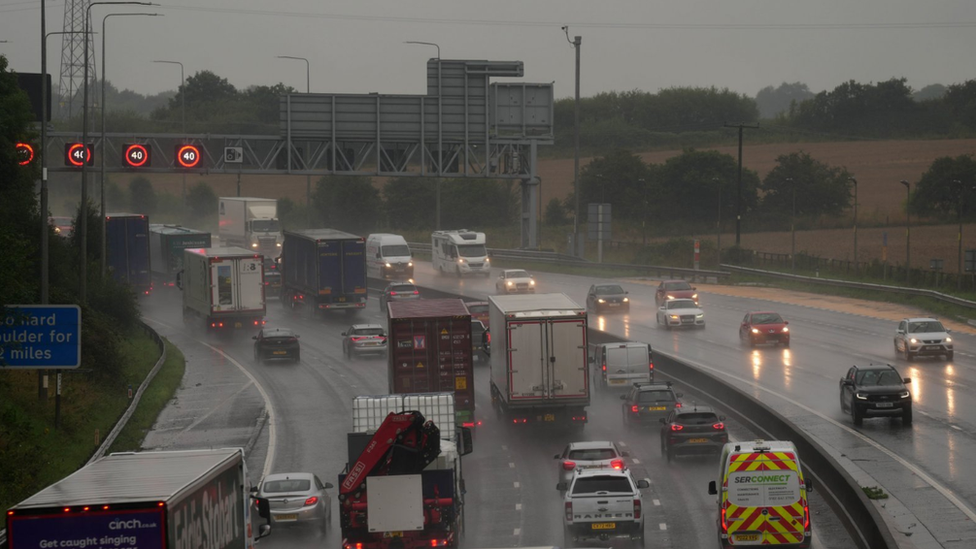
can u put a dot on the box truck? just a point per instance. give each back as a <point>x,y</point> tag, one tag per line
<point>164,500</point>
<point>323,269</point>
<point>539,359</point>
<point>224,287</point>
<point>127,247</point>
<point>430,351</point>
<point>250,223</point>
<point>166,245</point>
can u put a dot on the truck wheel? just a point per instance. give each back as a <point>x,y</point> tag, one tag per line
<point>458,271</point>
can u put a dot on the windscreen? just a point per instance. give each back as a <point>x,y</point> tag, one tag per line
<point>764,488</point>
<point>655,396</point>
<point>287,485</point>
<point>516,274</point>
<point>927,327</point>
<point>767,318</point>
<point>592,454</point>
<point>472,250</point>
<point>610,485</point>
<point>609,290</point>
<point>265,226</point>
<point>403,289</point>
<point>477,309</point>
<point>681,285</point>
<point>878,377</point>
<point>697,418</point>
<point>396,250</point>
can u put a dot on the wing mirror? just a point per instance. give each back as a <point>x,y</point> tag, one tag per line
<point>555,456</point>
<point>679,395</point>
<point>906,380</point>
<point>562,486</point>
<point>343,334</point>
<point>625,454</point>
<point>179,280</point>
<point>623,397</point>
<point>711,488</point>
<point>643,483</point>
<point>591,360</point>
<point>663,422</point>
<point>786,322</point>
<point>329,486</point>
<point>721,418</point>
<point>254,337</point>
<point>809,483</point>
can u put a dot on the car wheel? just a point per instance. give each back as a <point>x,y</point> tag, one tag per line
<point>668,455</point>
<point>457,271</point>
<point>568,538</point>
<point>298,358</point>
<point>638,541</point>
<point>909,355</point>
<point>906,416</point>
<point>856,415</point>
<point>843,408</point>
<point>949,355</point>
<point>345,350</point>
<point>257,357</point>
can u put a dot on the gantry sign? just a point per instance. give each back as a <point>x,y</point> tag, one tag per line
<point>464,127</point>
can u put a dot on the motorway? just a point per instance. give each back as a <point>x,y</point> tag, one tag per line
<point>511,476</point>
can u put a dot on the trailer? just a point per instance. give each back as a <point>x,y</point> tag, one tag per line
<point>323,269</point>
<point>224,287</point>
<point>127,250</point>
<point>166,245</point>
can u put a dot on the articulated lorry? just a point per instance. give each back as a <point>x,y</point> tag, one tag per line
<point>323,269</point>
<point>224,287</point>
<point>402,487</point>
<point>430,350</point>
<point>250,223</point>
<point>166,245</point>
<point>127,247</point>
<point>160,500</point>
<point>539,359</point>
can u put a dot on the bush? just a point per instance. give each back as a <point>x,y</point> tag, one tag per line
<point>142,196</point>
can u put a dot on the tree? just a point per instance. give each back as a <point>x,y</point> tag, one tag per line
<point>555,213</point>
<point>616,179</point>
<point>347,203</point>
<point>690,183</point>
<point>820,189</point>
<point>409,202</point>
<point>202,203</point>
<point>142,197</point>
<point>930,92</point>
<point>774,101</point>
<point>961,99</point>
<point>476,203</point>
<point>948,187</point>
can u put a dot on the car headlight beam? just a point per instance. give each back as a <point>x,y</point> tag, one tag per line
<point>861,396</point>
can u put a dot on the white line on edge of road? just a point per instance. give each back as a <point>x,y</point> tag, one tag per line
<point>636,461</point>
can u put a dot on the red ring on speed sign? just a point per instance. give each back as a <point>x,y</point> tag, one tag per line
<point>136,155</point>
<point>191,151</point>
<point>26,153</point>
<point>71,154</point>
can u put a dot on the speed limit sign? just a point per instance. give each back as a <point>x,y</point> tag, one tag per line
<point>188,156</point>
<point>136,155</point>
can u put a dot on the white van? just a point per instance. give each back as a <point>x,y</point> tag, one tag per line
<point>459,252</point>
<point>388,256</point>
<point>763,495</point>
<point>622,364</point>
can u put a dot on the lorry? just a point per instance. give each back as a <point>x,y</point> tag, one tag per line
<point>403,486</point>
<point>430,350</point>
<point>164,500</point>
<point>539,359</point>
<point>223,286</point>
<point>127,247</point>
<point>323,269</point>
<point>166,245</point>
<point>388,256</point>
<point>459,252</point>
<point>250,223</point>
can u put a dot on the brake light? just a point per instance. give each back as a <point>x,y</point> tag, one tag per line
<point>637,509</point>
<point>617,464</point>
<point>569,510</point>
<point>604,366</point>
<point>650,366</point>
<point>675,427</point>
<point>569,465</point>
<point>416,292</point>
<point>725,525</point>
<point>806,517</point>
<point>634,409</point>
<point>357,338</point>
<point>677,405</point>
<point>393,293</point>
<point>311,501</point>
<point>718,426</point>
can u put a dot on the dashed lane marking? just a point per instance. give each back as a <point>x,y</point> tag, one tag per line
<point>636,461</point>
<point>656,502</point>
<point>662,526</point>
<point>511,465</point>
<point>504,447</point>
<point>622,443</point>
<point>517,531</point>
<point>516,484</point>
<point>518,506</point>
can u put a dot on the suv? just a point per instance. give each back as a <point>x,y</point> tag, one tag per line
<point>692,430</point>
<point>648,403</point>
<point>875,390</point>
<point>922,337</point>
<point>589,455</point>
<point>601,504</point>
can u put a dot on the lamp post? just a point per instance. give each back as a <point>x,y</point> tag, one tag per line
<point>440,134</point>
<point>104,246</point>
<point>182,109</point>
<point>644,219</point>
<point>908,232</point>
<point>793,227</point>
<point>718,223</point>
<point>959,207</point>
<point>576,43</point>
<point>308,177</point>
<point>854,182</point>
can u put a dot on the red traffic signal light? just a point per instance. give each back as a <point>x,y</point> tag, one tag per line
<point>188,156</point>
<point>78,154</point>
<point>24,153</point>
<point>135,155</point>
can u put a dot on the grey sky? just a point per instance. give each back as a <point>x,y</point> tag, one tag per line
<point>356,46</point>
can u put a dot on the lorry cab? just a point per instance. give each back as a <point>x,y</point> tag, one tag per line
<point>763,495</point>
<point>623,364</point>
<point>388,256</point>
<point>459,252</point>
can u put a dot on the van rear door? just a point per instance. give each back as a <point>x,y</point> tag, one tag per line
<point>763,501</point>
<point>627,364</point>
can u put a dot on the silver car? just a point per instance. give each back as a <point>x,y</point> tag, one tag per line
<point>363,339</point>
<point>298,499</point>
<point>681,312</point>
<point>600,454</point>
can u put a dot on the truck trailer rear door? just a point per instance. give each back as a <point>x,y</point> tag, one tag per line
<point>353,267</point>
<point>567,358</point>
<point>526,359</point>
<point>250,283</point>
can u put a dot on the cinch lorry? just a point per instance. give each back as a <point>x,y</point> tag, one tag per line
<point>127,244</point>
<point>402,487</point>
<point>538,359</point>
<point>166,245</point>
<point>250,223</point>
<point>224,287</point>
<point>323,269</point>
<point>430,351</point>
<point>161,500</point>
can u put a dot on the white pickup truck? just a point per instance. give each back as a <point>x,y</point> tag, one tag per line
<point>601,504</point>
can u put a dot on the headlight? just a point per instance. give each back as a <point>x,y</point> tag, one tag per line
<point>694,296</point>
<point>57,230</point>
<point>670,297</point>
<point>755,330</point>
<point>388,265</point>
<point>410,264</point>
<point>626,300</point>
<point>674,317</point>
<point>255,245</point>
<point>278,244</point>
<point>913,341</point>
<point>532,283</point>
<point>601,300</point>
<point>509,283</point>
<point>700,315</point>
<point>487,260</point>
<point>948,339</point>
<point>460,260</point>
<point>861,396</point>
<point>905,394</point>
<point>786,330</point>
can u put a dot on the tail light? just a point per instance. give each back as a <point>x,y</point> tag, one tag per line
<point>416,292</point>
<point>675,427</point>
<point>718,426</point>
<point>311,501</point>
<point>255,322</point>
<point>725,525</point>
<point>637,509</point>
<point>393,293</point>
<point>617,464</point>
<point>604,366</point>
<point>650,367</point>
<point>569,511</point>
<point>292,340</point>
<point>634,408</point>
<point>677,405</point>
<point>569,465</point>
<point>357,338</point>
<point>806,517</point>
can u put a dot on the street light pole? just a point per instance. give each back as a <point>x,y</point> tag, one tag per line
<point>718,223</point>
<point>854,181</point>
<point>183,112</point>
<point>440,135</point>
<point>576,43</point>
<point>104,245</point>
<point>908,233</point>
<point>644,219</point>
<point>959,206</point>
<point>308,177</point>
<point>793,227</point>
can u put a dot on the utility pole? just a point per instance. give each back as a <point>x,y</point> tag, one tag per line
<point>718,223</point>
<point>738,201</point>
<point>908,233</point>
<point>792,227</point>
<point>576,42</point>
<point>854,181</point>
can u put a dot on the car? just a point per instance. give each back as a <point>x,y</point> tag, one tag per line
<point>297,499</point>
<point>362,339</point>
<point>398,291</point>
<point>681,312</point>
<point>764,327</point>
<point>478,311</point>
<point>675,289</point>
<point>601,504</point>
<point>515,281</point>
<point>276,344</point>
<point>875,390</point>
<point>599,454</point>
<point>923,337</point>
<point>63,226</point>
<point>607,297</point>
<point>647,403</point>
<point>272,284</point>
<point>692,430</point>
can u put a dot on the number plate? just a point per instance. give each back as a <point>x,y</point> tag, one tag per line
<point>884,404</point>
<point>603,525</point>
<point>280,353</point>
<point>747,537</point>
<point>282,518</point>
<point>697,440</point>
<point>549,417</point>
<point>237,324</point>
<point>392,534</point>
<point>613,304</point>
<point>657,408</point>
<point>618,381</point>
<point>341,299</point>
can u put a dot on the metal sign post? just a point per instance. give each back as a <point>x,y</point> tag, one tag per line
<point>598,218</point>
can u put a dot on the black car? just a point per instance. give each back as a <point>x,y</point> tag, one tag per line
<point>692,430</point>
<point>277,344</point>
<point>875,390</point>
<point>607,297</point>
<point>648,403</point>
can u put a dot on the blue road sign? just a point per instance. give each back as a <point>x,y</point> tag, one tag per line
<point>40,336</point>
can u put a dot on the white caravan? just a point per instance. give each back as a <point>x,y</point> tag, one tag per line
<point>459,252</point>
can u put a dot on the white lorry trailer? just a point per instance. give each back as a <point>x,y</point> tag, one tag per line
<point>224,287</point>
<point>539,359</point>
<point>250,223</point>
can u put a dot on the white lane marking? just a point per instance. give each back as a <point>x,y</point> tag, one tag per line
<point>636,461</point>
<point>622,443</point>
<point>518,506</point>
<point>504,447</point>
<point>517,531</point>
<point>956,427</point>
<point>947,493</point>
<point>662,526</point>
<point>656,502</point>
<point>511,465</point>
<point>516,484</point>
